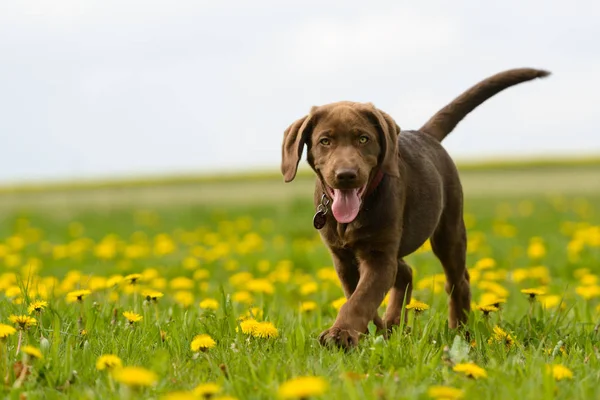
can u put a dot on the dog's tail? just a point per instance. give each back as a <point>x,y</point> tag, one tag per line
<point>446,119</point>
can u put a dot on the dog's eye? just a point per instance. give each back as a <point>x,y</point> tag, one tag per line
<point>325,142</point>
<point>363,139</point>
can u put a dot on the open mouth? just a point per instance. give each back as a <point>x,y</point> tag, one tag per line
<point>346,203</point>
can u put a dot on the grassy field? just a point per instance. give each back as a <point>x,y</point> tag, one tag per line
<point>239,261</point>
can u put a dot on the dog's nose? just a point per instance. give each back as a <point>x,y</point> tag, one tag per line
<point>346,175</point>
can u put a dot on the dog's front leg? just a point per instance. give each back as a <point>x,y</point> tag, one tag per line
<point>377,274</point>
<point>346,266</point>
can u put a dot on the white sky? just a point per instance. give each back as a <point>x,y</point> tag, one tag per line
<point>104,88</point>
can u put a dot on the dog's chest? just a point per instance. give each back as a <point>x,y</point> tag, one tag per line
<point>342,235</point>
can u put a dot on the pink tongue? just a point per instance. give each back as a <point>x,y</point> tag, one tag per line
<point>346,204</point>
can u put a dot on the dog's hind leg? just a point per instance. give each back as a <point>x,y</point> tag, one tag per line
<point>449,244</point>
<point>400,295</point>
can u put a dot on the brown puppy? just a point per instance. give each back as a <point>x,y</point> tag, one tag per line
<point>388,192</point>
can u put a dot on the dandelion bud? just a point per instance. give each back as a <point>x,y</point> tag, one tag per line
<point>44,344</point>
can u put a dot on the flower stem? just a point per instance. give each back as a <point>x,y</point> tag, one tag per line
<point>80,320</point>
<point>5,361</point>
<point>111,383</point>
<point>156,313</point>
<point>41,325</point>
<point>19,341</point>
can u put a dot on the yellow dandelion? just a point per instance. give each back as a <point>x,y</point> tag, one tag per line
<point>260,286</point>
<point>182,283</point>
<point>180,395</point>
<point>158,283</point>
<point>536,248</point>
<point>493,287</point>
<point>135,376</point>
<point>184,298</point>
<point>589,279</point>
<point>113,281</point>
<point>201,274</point>
<point>445,393</point>
<point>77,295</point>
<point>209,304</point>
<point>37,306</point>
<point>501,336</point>
<point>207,390</point>
<point>302,387</point>
<point>560,372</point>
<point>308,288</point>
<point>337,304</point>
<point>551,301</point>
<point>248,326</point>
<point>470,370</point>
<point>540,273</point>
<point>32,351</point>
<point>588,292</point>
<point>132,317</point>
<point>204,286</point>
<point>281,274</point>
<point>308,306</point>
<point>487,309</point>
<point>6,331</point>
<point>202,343</point>
<point>491,299</point>
<point>152,295</point>
<point>242,297</point>
<point>533,292</point>
<point>12,291</point>
<point>108,362</point>
<point>519,274</point>
<point>22,321</point>
<point>132,279</point>
<point>498,275</point>
<point>240,278</point>
<point>265,330</point>
<point>386,299</point>
<point>328,274</point>
<point>485,263</point>
<point>417,306</point>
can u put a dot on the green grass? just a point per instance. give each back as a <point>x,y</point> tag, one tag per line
<point>257,175</point>
<point>161,240</point>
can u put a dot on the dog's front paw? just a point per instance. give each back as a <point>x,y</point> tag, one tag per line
<point>345,338</point>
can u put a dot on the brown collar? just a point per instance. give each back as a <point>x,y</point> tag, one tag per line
<point>374,183</point>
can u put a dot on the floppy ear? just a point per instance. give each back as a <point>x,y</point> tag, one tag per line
<point>388,140</point>
<point>294,139</point>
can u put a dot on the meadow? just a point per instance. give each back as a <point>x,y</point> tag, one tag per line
<point>218,288</point>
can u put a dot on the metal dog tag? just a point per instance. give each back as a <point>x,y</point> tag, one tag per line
<point>319,219</point>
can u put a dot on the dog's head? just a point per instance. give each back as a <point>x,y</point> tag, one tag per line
<point>347,143</point>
